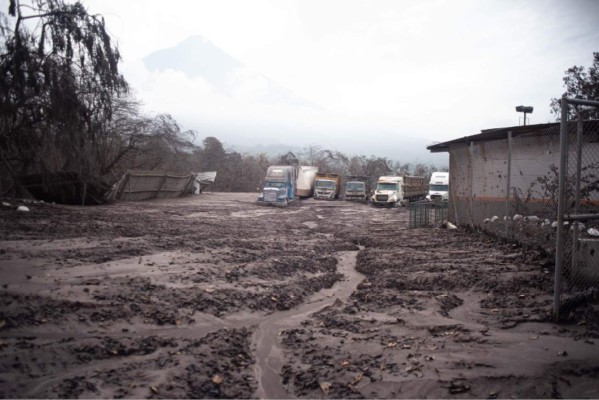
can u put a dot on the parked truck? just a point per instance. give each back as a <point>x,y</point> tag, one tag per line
<point>357,188</point>
<point>286,183</point>
<point>279,185</point>
<point>326,186</point>
<point>393,191</point>
<point>438,189</point>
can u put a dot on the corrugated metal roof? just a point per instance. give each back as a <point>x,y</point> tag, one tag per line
<point>491,134</point>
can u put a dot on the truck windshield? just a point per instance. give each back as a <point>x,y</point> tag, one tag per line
<point>386,186</point>
<point>355,185</point>
<point>275,184</point>
<point>439,188</point>
<point>324,184</point>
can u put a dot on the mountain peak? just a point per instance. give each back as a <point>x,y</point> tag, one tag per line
<point>198,57</point>
<point>196,41</point>
<point>195,56</point>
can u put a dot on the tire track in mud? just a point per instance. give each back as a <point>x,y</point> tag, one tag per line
<point>269,357</point>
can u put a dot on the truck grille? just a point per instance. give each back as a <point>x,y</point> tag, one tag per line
<point>270,195</point>
<point>381,197</point>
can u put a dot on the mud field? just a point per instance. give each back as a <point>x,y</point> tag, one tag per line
<point>214,296</point>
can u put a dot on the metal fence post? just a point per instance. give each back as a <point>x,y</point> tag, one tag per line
<point>162,185</point>
<point>559,251</point>
<point>575,225</point>
<point>509,177</point>
<point>471,200</point>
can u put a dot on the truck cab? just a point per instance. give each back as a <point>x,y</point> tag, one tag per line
<point>355,191</point>
<point>438,187</point>
<point>356,188</point>
<point>388,191</point>
<point>326,186</point>
<point>279,185</point>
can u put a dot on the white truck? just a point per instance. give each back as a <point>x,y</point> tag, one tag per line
<point>438,189</point>
<point>392,191</point>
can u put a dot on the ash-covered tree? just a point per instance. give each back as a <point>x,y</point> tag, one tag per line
<point>213,154</point>
<point>59,79</point>
<point>424,170</point>
<point>580,83</point>
<point>149,143</point>
<point>372,166</point>
<point>326,160</point>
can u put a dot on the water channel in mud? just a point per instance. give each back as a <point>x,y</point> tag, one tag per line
<point>269,360</point>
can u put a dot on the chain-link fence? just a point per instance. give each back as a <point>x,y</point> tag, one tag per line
<point>528,185</point>
<point>577,233</point>
<point>427,214</point>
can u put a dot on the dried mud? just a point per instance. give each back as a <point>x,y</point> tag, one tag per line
<point>215,296</point>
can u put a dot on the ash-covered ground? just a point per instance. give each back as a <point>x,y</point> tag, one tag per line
<point>215,296</point>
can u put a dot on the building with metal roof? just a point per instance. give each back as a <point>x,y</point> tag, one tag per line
<point>514,170</point>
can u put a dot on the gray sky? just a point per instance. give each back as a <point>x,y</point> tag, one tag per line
<point>375,70</point>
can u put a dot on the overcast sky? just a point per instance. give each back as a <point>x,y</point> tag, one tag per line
<point>429,69</point>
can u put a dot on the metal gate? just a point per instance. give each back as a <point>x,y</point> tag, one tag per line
<point>577,242</point>
<point>426,214</point>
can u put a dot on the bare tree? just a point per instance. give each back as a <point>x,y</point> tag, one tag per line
<point>153,143</point>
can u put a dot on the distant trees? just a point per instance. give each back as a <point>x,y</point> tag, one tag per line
<point>235,172</point>
<point>245,172</point>
<point>212,155</point>
<point>336,162</point>
<point>580,84</point>
<point>424,170</point>
<point>326,160</point>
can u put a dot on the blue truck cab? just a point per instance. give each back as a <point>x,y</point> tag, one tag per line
<point>279,185</point>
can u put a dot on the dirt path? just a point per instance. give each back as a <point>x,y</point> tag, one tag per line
<point>214,296</point>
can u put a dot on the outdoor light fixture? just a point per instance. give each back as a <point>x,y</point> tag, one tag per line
<point>525,110</point>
